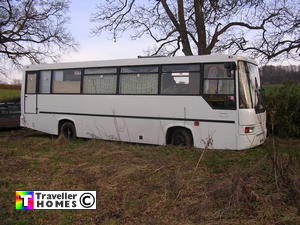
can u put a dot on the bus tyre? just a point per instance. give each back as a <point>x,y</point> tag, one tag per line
<point>68,130</point>
<point>182,137</point>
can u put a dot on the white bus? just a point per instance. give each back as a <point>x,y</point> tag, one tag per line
<point>210,101</point>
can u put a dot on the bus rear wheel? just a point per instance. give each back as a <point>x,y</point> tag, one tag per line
<point>182,137</point>
<point>68,130</point>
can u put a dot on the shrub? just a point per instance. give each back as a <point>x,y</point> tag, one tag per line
<point>283,110</point>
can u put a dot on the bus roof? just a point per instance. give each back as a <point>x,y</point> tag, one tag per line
<point>140,61</point>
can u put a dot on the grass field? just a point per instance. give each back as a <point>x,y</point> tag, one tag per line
<point>9,92</point>
<point>143,184</point>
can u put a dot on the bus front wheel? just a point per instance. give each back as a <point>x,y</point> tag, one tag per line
<point>182,137</point>
<point>68,130</point>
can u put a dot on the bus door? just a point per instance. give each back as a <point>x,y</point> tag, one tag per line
<point>30,93</point>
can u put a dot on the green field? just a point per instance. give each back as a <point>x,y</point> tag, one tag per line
<point>9,94</point>
<point>143,184</point>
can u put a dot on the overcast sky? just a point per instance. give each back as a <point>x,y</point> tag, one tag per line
<point>98,47</point>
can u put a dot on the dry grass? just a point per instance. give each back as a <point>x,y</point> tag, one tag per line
<point>10,86</point>
<point>142,184</point>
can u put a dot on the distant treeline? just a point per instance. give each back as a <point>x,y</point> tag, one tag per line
<point>280,74</point>
<point>10,86</point>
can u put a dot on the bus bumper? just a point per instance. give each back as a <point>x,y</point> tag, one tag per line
<point>251,140</point>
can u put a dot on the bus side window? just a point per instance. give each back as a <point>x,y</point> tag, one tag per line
<point>100,81</point>
<point>44,82</point>
<point>31,83</point>
<point>180,80</point>
<point>66,81</point>
<point>139,80</point>
<point>100,84</point>
<point>218,87</point>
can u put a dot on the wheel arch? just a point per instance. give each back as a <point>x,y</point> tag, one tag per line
<point>171,129</point>
<point>61,121</point>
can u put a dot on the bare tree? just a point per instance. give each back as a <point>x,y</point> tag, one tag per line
<point>33,30</point>
<point>264,29</point>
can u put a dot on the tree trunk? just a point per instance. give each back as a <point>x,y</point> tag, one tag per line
<point>200,24</point>
<point>186,48</point>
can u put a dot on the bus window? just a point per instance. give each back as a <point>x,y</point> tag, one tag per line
<point>100,84</point>
<point>44,82</point>
<point>139,83</point>
<point>218,86</point>
<point>100,81</point>
<point>181,80</point>
<point>98,71</point>
<point>139,80</point>
<point>181,68</point>
<point>244,88</point>
<point>255,87</point>
<point>139,69</point>
<point>66,81</point>
<point>31,83</point>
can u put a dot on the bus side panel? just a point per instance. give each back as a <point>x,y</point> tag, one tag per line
<point>142,119</point>
<point>45,123</point>
<point>119,129</point>
<point>216,136</point>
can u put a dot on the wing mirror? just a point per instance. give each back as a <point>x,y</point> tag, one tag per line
<point>230,67</point>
